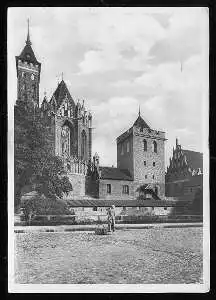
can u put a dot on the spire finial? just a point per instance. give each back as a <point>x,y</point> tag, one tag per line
<point>28,42</point>
<point>62,74</point>
<point>139,110</point>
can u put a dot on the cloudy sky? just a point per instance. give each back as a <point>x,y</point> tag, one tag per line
<point>117,59</point>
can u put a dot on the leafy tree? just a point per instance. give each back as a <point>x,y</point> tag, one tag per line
<point>35,162</point>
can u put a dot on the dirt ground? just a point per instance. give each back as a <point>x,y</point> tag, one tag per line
<point>138,256</point>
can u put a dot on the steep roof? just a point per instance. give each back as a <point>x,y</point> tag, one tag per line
<point>114,173</point>
<point>194,159</point>
<point>28,55</point>
<point>61,92</point>
<point>140,123</point>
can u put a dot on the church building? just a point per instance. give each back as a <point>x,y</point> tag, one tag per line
<point>140,149</point>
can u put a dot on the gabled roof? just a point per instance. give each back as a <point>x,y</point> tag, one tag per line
<point>28,55</point>
<point>61,92</point>
<point>114,173</point>
<point>123,203</point>
<point>194,159</point>
<point>140,123</point>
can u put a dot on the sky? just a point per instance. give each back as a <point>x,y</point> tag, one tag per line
<point>118,59</point>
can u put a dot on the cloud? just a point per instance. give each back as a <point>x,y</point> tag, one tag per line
<point>183,37</point>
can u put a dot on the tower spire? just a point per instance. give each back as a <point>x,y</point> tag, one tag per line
<point>139,110</point>
<point>28,42</point>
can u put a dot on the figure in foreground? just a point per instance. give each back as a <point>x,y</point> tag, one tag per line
<point>111,218</point>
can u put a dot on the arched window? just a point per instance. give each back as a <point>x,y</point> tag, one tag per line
<point>144,145</point>
<point>84,146</point>
<point>154,147</point>
<point>67,139</point>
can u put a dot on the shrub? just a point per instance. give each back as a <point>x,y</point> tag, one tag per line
<point>40,205</point>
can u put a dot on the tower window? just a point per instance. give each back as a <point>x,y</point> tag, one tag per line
<point>145,176</point>
<point>125,189</point>
<point>153,163</point>
<point>144,162</point>
<point>153,177</point>
<point>108,188</point>
<point>122,149</point>
<point>154,146</point>
<point>128,147</point>
<point>144,145</point>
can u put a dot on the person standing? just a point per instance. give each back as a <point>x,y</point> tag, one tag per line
<point>113,218</point>
<point>109,218</point>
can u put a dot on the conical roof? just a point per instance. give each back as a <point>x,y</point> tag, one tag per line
<point>61,93</point>
<point>28,55</point>
<point>140,123</point>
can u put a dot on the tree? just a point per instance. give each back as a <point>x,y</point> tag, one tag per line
<point>35,162</point>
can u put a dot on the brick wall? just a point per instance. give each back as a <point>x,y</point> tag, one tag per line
<point>116,189</point>
<point>154,171</point>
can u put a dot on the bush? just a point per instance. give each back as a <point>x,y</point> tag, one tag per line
<point>40,205</point>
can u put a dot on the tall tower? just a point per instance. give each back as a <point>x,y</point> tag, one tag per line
<point>28,75</point>
<point>140,150</point>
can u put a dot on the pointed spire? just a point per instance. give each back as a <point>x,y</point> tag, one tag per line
<point>139,110</point>
<point>28,42</point>
<point>62,75</point>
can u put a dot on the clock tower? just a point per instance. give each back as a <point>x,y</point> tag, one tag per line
<point>28,75</point>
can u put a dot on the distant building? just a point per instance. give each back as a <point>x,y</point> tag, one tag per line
<point>184,176</point>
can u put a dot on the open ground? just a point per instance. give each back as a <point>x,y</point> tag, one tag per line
<point>136,256</point>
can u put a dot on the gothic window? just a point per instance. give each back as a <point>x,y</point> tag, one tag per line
<point>122,149</point>
<point>145,176</point>
<point>128,147</point>
<point>69,113</point>
<point>153,177</point>
<point>144,145</point>
<point>108,188</point>
<point>83,145</point>
<point>154,147</point>
<point>65,135</point>
<point>153,163</point>
<point>34,91</point>
<point>144,162</point>
<point>156,190</point>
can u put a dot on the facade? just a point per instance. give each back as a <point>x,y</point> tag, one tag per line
<point>140,150</point>
<point>184,176</point>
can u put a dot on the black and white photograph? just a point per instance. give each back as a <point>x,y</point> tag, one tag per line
<point>108,169</point>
